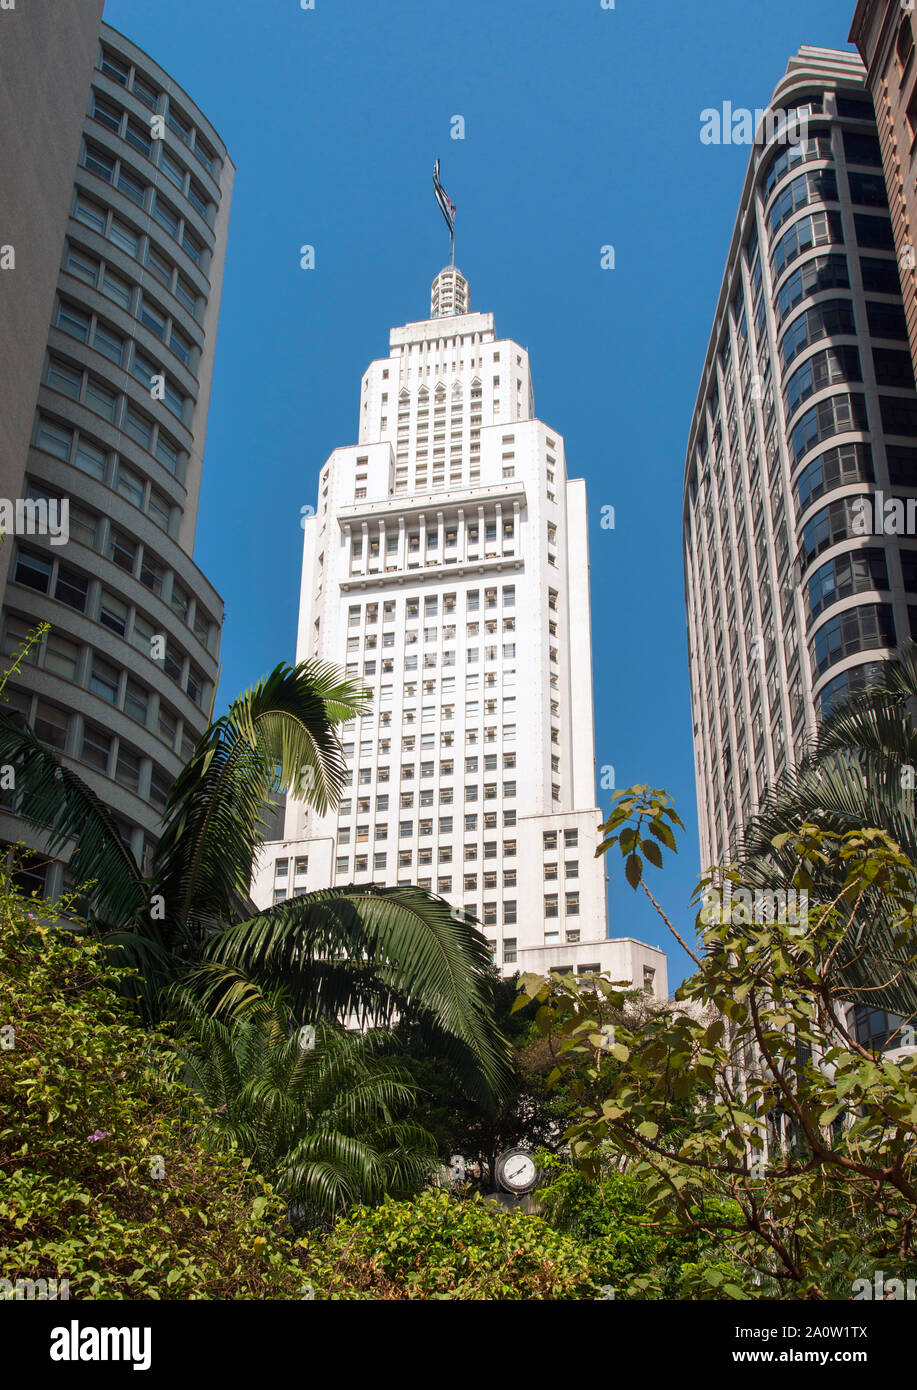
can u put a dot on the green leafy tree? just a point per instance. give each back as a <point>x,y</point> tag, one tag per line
<point>101,1181</point>
<point>800,1159</point>
<point>628,1236</point>
<point>365,950</point>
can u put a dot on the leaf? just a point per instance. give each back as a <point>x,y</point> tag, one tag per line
<point>652,853</point>
<point>664,833</point>
<point>633,870</point>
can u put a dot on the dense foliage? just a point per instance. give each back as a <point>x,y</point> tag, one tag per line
<point>441,1247</point>
<point>102,1183</point>
<point>374,951</point>
<point>322,1113</point>
<point>800,1152</point>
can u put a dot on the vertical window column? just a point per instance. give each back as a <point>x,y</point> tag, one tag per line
<point>402,544</point>
<point>461,539</point>
<point>364,534</point>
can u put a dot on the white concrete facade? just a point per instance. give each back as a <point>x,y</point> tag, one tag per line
<point>447,567</point>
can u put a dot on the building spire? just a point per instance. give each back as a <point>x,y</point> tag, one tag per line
<point>449,293</point>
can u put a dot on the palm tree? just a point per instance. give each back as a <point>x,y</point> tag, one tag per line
<point>320,1117</point>
<point>859,773</point>
<point>362,950</point>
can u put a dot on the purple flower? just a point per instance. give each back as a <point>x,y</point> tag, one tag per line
<point>97,1135</point>
<point>31,916</point>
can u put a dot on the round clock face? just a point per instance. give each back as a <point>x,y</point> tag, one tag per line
<point>516,1171</point>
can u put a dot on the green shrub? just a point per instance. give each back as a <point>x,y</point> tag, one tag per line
<point>443,1247</point>
<point>88,1115</point>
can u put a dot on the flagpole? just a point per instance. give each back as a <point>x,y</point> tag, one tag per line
<point>447,208</point>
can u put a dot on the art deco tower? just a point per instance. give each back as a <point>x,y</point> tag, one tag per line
<point>447,567</point>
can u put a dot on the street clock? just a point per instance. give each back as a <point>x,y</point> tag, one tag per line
<point>516,1172</point>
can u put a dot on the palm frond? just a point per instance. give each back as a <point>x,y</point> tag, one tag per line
<point>280,734</point>
<point>70,816</point>
<point>375,952</point>
<point>852,777</point>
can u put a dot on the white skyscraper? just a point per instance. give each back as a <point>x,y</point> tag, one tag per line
<point>447,567</point>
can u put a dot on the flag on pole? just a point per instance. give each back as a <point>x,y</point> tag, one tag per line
<point>447,207</point>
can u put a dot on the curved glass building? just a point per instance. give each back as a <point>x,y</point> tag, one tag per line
<point>799,569</point>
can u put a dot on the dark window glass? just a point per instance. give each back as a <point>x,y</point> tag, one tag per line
<point>814,147</point>
<point>909,570</point>
<point>818,229</point>
<point>902,464</point>
<point>145,92</point>
<point>819,186</point>
<point>71,588</point>
<point>821,273</point>
<point>122,551</point>
<point>33,570</point>
<point>893,368</point>
<point>880,276</point>
<point>868,190</point>
<point>74,321</point>
<point>131,186</point>
<point>860,108</point>
<point>862,149</point>
<point>104,680</point>
<point>874,231</point>
<point>51,724</point>
<point>898,416</point>
<point>886,320</point>
<point>166,215</point>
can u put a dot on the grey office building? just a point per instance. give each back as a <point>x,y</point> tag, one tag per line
<point>115,194</point>
<point>806,413</point>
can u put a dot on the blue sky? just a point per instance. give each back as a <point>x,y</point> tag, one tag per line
<point>581,130</point>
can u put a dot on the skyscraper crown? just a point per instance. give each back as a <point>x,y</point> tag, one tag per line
<point>448,294</point>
